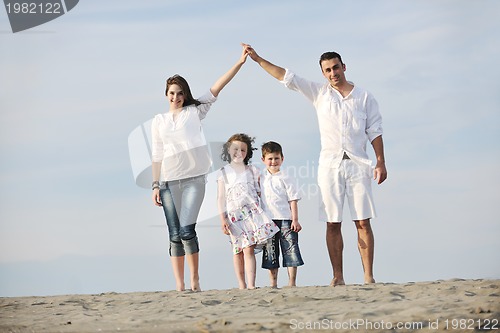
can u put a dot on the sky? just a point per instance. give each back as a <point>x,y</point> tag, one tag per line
<point>74,91</point>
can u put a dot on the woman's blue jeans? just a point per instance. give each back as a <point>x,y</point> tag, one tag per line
<point>181,200</point>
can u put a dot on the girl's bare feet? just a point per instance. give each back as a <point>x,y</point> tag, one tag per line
<point>369,281</point>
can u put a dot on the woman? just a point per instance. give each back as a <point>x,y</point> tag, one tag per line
<point>180,163</point>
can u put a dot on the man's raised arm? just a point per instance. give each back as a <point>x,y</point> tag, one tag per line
<point>275,71</point>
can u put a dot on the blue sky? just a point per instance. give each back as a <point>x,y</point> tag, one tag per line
<point>72,91</point>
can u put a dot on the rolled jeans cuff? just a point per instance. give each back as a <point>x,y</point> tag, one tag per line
<point>183,247</point>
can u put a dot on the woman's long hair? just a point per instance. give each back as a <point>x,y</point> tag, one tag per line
<point>181,82</point>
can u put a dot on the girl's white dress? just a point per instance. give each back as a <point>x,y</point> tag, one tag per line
<point>248,223</point>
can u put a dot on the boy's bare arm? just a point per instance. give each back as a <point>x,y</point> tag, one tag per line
<point>295,216</point>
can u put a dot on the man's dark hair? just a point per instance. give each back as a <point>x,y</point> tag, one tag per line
<point>328,56</point>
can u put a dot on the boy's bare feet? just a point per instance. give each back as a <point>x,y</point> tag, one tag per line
<point>273,278</point>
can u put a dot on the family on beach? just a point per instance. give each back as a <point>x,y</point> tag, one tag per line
<point>259,210</point>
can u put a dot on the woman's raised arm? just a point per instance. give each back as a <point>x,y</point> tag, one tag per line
<point>228,76</point>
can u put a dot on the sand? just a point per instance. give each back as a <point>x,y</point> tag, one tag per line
<point>439,306</point>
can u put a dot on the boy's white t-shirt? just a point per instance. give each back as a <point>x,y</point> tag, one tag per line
<point>277,191</point>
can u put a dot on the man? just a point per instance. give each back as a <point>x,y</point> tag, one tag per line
<point>348,117</point>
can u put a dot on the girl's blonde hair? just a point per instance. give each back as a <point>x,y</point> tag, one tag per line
<point>248,140</point>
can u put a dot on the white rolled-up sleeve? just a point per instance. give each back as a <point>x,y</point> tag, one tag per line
<point>206,102</point>
<point>291,187</point>
<point>374,119</point>
<point>307,88</point>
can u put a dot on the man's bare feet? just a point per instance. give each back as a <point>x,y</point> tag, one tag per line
<point>337,282</point>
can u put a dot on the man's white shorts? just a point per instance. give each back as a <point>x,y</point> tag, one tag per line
<point>351,179</point>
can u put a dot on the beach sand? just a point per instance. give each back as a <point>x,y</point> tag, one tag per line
<point>455,305</point>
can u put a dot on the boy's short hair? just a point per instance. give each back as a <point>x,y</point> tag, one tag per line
<point>271,147</point>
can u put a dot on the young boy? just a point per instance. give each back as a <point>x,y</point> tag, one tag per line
<point>279,199</point>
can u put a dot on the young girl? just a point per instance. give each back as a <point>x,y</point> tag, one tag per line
<point>239,207</point>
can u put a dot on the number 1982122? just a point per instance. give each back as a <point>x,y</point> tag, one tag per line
<point>471,324</point>
<point>33,8</point>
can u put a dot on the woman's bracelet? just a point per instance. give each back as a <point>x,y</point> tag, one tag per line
<point>155,185</point>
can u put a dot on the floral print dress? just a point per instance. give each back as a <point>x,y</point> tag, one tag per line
<point>248,223</point>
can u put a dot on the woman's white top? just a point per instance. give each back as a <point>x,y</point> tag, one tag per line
<point>180,144</point>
